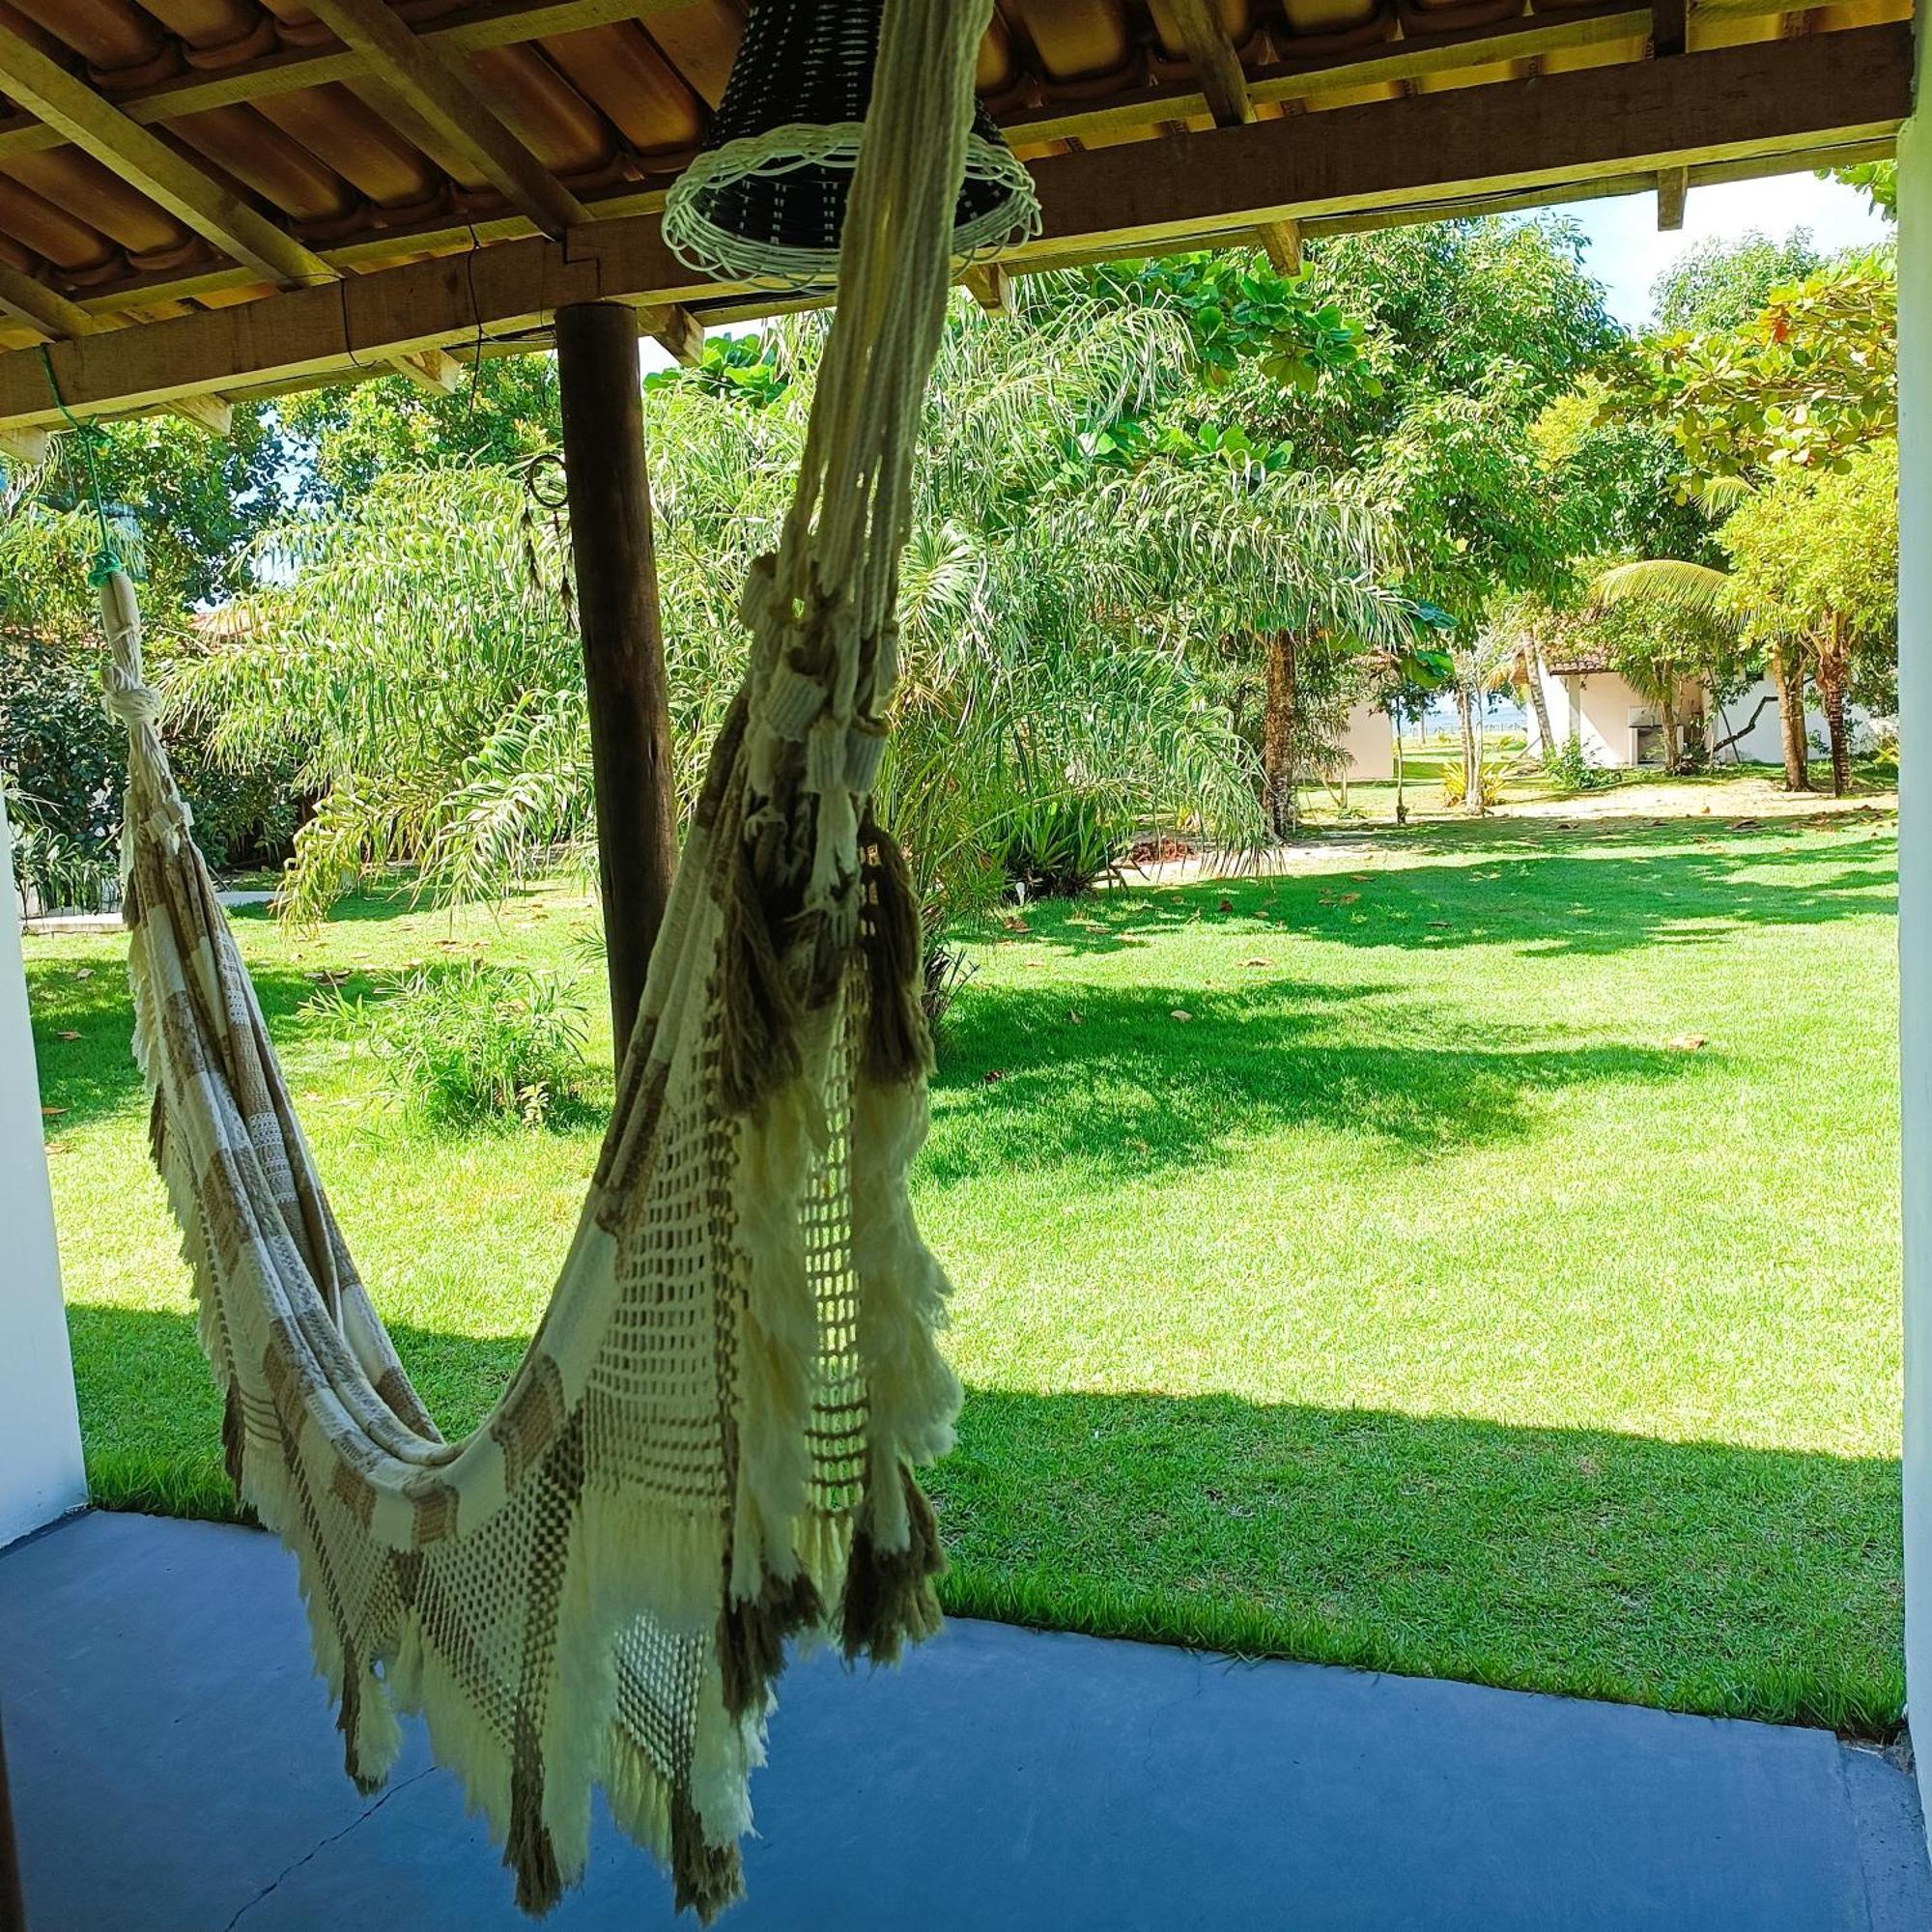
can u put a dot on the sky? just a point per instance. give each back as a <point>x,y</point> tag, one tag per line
<point>1627,252</point>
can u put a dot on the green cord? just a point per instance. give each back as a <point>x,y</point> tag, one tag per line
<point>108,560</point>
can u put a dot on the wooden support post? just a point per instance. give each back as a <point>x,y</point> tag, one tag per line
<point>26,448</point>
<point>991,287</point>
<point>623,637</point>
<point>1673,189</point>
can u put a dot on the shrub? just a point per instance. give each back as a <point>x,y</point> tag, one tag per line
<point>1455,785</point>
<point>1057,847</point>
<point>1569,769</point>
<point>472,1044</point>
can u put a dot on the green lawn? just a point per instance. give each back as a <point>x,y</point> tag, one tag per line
<point>1359,1266</point>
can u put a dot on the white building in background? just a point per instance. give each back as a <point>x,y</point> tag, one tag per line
<point>1368,742</point>
<point>1619,727</point>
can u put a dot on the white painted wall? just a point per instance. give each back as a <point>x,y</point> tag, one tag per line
<point>1602,709</point>
<point>41,1473</point>
<point>1915,882</point>
<point>1368,742</point>
<point>1764,743</point>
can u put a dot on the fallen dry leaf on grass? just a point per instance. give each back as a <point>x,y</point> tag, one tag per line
<point>1226,905</point>
<point>1073,1018</point>
<point>1257,962</point>
<point>48,1113</point>
<point>69,1033</point>
<point>992,1076</point>
<point>1443,923</point>
<point>1348,898</point>
<point>1687,1042</point>
<point>1181,1013</point>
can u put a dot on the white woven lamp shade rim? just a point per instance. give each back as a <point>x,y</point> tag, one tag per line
<point>701,242</point>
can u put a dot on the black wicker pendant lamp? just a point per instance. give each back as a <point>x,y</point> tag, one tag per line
<point>764,200</point>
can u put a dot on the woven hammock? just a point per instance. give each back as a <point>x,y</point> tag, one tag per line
<point>708,1448</point>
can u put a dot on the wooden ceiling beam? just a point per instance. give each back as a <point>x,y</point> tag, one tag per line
<point>675,330</point>
<point>990,286</point>
<point>166,176</point>
<point>1218,67</point>
<point>434,87</point>
<point>1546,138</point>
<point>60,320</point>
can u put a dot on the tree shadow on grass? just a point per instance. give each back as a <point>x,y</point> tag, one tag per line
<point>377,904</point>
<point>1700,1576</point>
<point>92,1076</point>
<point>1108,1078</point>
<point>1537,898</point>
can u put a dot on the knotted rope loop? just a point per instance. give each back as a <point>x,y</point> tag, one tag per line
<point>135,705</point>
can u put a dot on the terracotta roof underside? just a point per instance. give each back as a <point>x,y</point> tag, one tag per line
<point>329,145</point>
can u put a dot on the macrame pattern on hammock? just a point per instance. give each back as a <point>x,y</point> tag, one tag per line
<point>708,1448</point>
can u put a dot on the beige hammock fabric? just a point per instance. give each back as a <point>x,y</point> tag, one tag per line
<point>708,1447</point>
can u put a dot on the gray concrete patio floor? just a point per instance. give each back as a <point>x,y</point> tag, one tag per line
<point>175,1769</point>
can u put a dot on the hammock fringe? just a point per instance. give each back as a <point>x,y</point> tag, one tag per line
<point>889,1599</point>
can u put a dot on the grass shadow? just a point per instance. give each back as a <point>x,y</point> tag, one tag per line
<point>1581,893</point>
<point>1109,1078</point>
<point>1703,1576</point>
<point>83,1024</point>
<point>1698,1576</point>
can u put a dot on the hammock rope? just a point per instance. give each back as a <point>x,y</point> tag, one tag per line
<point>708,1448</point>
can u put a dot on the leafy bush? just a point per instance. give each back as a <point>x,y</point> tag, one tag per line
<point>1057,847</point>
<point>1568,769</point>
<point>51,871</point>
<point>1455,785</point>
<point>472,1044</point>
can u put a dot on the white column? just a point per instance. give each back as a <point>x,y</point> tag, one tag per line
<point>40,1473</point>
<point>1915,882</point>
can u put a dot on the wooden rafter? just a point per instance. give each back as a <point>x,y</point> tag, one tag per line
<point>424,92</point>
<point>480,28</point>
<point>1294,77</point>
<point>1218,67</point>
<point>435,88</point>
<point>166,176</point>
<point>1733,108</point>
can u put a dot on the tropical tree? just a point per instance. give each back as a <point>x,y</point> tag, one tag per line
<point>340,439</point>
<point>1806,383</point>
<point>1079,526</point>
<point>1814,567</point>
<point>1723,283</point>
<point>1813,584</point>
